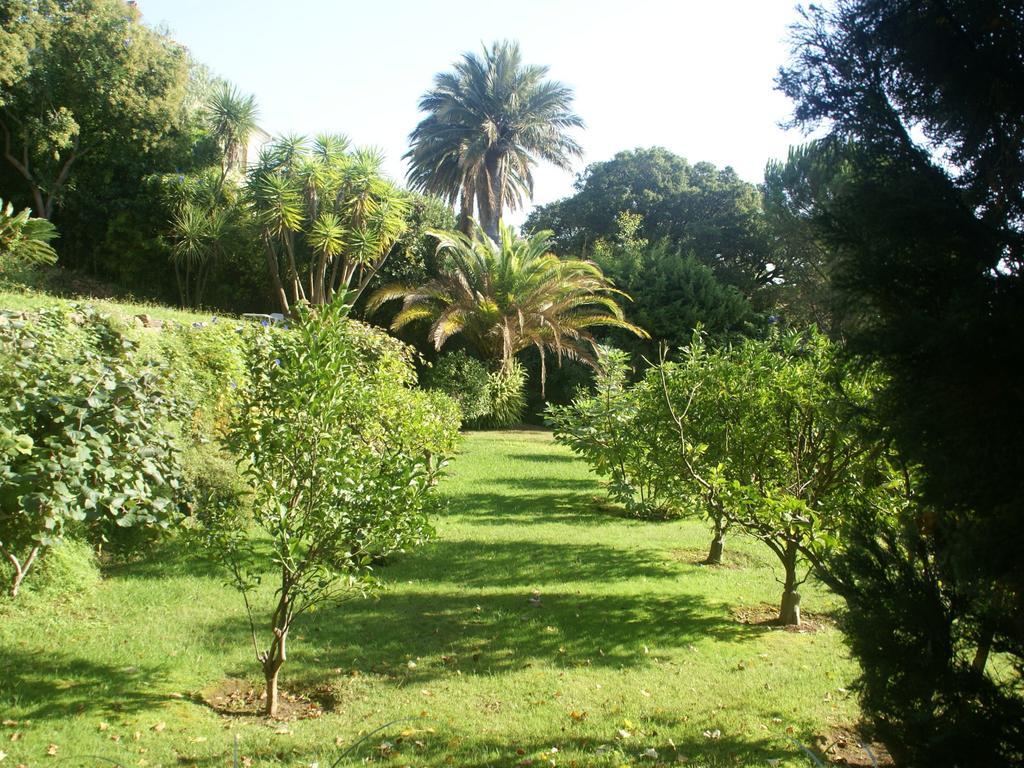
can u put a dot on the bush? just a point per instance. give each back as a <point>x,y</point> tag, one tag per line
<point>614,431</point>
<point>507,389</point>
<point>465,380</point>
<point>84,434</point>
<point>69,568</point>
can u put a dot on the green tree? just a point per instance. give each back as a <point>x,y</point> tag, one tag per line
<point>327,217</point>
<point>88,78</point>
<point>488,123</point>
<point>929,243</point>
<point>502,297</point>
<point>698,209</point>
<point>673,292</point>
<point>341,457</point>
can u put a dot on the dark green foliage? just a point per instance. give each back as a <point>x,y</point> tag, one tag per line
<point>672,292</point>
<point>698,209</point>
<point>85,434</point>
<point>930,247</point>
<point>464,379</point>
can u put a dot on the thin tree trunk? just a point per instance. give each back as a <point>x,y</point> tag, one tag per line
<point>789,609</point>
<point>717,543</point>
<point>275,277</point>
<point>20,569</point>
<point>466,211</point>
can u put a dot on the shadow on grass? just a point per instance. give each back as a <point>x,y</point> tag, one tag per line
<point>408,742</point>
<point>451,633</point>
<point>530,508</point>
<point>477,563</point>
<point>51,684</point>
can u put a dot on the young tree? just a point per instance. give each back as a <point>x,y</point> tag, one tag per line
<point>764,437</point>
<point>341,455</point>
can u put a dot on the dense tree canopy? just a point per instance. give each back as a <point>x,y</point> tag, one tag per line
<point>927,233</point>
<point>697,208</point>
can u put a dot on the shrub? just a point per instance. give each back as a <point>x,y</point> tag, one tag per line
<point>507,389</point>
<point>465,380</point>
<point>612,432</point>
<point>84,434</point>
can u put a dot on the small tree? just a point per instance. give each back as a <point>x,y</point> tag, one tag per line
<point>83,435</point>
<point>341,455</point>
<point>765,436</point>
<point>606,428</point>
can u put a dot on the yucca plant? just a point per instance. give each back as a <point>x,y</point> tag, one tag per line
<point>502,297</point>
<point>327,216</point>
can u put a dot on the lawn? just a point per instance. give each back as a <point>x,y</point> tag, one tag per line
<point>541,627</point>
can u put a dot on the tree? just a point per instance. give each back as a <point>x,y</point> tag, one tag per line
<point>341,455</point>
<point>208,217</point>
<point>929,244</point>
<point>673,292</point>
<point>502,297</point>
<point>767,442</point>
<point>88,77</point>
<point>698,209</point>
<point>488,123</point>
<point>327,217</point>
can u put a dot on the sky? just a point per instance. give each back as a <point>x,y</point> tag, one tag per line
<point>693,76</point>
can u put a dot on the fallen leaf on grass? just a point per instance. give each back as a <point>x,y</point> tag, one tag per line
<point>715,734</point>
<point>51,750</point>
<point>650,752</point>
<point>578,716</point>
<point>159,726</point>
<point>3,755</point>
<point>10,723</point>
<point>16,736</point>
<point>104,726</point>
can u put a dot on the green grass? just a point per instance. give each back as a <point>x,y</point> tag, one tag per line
<point>630,636</point>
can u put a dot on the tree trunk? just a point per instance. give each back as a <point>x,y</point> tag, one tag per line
<point>271,669</point>
<point>789,610</point>
<point>20,569</point>
<point>466,211</point>
<point>717,544</point>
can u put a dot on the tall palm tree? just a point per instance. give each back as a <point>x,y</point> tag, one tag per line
<point>506,296</point>
<point>232,118</point>
<point>488,123</point>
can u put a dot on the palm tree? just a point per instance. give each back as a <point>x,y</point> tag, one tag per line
<point>488,123</point>
<point>504,297</point>
<point>231,119</point>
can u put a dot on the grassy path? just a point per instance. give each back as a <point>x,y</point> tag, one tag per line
<point>540,626</point>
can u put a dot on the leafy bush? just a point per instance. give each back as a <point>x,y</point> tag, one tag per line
<point>465,380</point>
<point>84,434</point>
<point>23,239</point>
<point>341,453</point>
<point>507,390</point>
<point>612,432</point>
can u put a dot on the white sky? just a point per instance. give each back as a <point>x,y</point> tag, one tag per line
<point>695,77</point>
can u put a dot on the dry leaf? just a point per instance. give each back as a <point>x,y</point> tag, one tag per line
<point>159,726</point>
<point>51,750</point>
<point>10,723</point>
<point>16,736</point>
<point>3,755</point>
<point>578,716</point>
<point>104,726</point>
